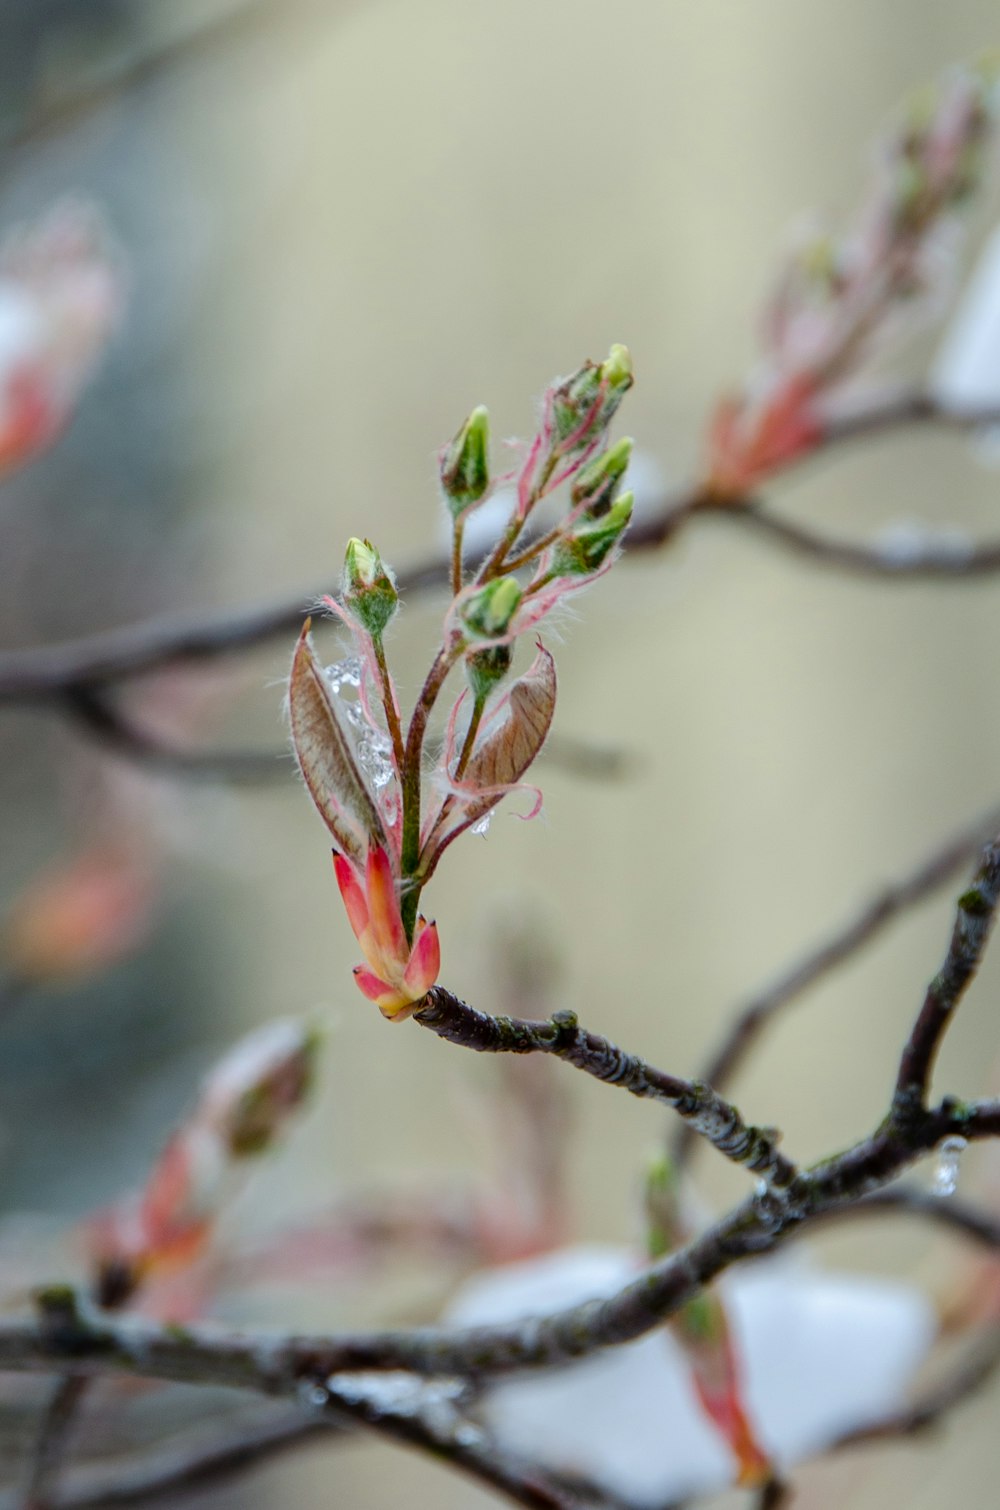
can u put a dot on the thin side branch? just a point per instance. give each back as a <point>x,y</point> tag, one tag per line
<point>928,876</point>
<point>973,922</point>
<point>716,1120</point>
<point>95,712</point>
<point>974,1371</point>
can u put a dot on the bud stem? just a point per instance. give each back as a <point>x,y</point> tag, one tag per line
<point>410,777</point>
<point>389,702</point>
<point>458,529</point>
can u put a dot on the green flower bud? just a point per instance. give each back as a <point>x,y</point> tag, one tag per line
<point>488,613</point>
<point>369,591</point>
<point>587,401</point>
<point>587,548</point>
<point>597,484</point>
<point>484,669</point>
<point>465,463</point>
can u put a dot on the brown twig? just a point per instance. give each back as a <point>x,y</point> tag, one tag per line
<point>974,919</point>
<point>102,718</point>
<point>219,1449</point>
<point>755,1148</point>
<point>928,876</point>
<point>53,1437</point>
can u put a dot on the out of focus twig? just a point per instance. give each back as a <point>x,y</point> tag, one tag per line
<point>928,876</point>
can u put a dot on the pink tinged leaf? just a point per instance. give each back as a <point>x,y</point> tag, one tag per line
<point>352,894</point>
<point>326,758</point>
<point>383,907</point>
<point>392,1002</point>
<point>506,753</point>
<point>425,961</point>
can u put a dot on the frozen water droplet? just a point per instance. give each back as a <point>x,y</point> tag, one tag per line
<point>313,1395</point>
<point>355,715</point>
<point>483,826</point>
<point>345,673</point>
<point>373,758</point>
<point>949,1157</point>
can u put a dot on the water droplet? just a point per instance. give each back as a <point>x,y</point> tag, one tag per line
<point>483,826</point>
<point>345,673</point>
<point>374,749</point>
<point>313,1395</point>
<point>949,1157</point>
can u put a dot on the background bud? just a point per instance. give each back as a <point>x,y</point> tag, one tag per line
<point>369,589</point>
<point>465,463</point>
<point>488,613</point>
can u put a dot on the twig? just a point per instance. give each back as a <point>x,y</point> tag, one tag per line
<point>776,1492</point>
<point>976,1369</point>
<point>191,1457</point>
<point>928,876</point>
<point>755,1148</point>
<point>974,920</point>
<point>53,1436</point>
<point>939,560</point>
<point>981,1227</point>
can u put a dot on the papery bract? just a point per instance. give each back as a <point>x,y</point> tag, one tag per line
<point>325,753</point>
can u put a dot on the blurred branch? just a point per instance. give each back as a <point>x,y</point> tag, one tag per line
<point>928,876</point>
<point>975,1370</point>
<point>50,672</point>
<point>69,1336</point>
<point>63,110</point>
<point>50,1447</point>
<point>194,1457</point>
<point>94,711</point>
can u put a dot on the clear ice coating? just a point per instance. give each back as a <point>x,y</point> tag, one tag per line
<point>483,826</point>
<point>374,750</point>
<point>949,1157</point>
<point>345,673</point>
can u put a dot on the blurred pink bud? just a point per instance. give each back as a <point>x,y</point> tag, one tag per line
<point>60,295</point>
<point>80,917</point>
<point>751,439</point>
<point>246,1103</point>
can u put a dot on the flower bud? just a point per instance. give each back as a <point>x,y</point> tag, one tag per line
<point>369,594</point>
<point>597,484</point>
<point>587,548</point>
<point>484,669</point>
<point>584,404</point>
<point>465,463</point>
<point>488,613</point>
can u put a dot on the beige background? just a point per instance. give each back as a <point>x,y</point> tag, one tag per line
<point>394,211</point>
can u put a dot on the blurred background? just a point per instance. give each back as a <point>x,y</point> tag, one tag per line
<point>341,225</point>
